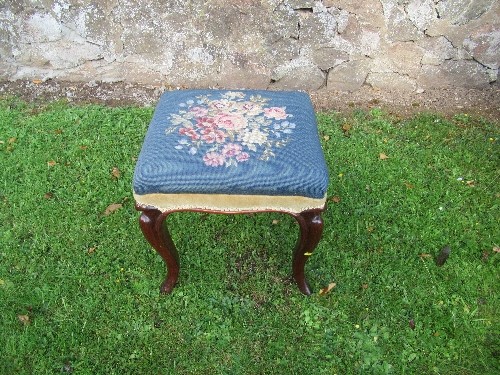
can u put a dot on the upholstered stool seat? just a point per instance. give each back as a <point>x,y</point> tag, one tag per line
<point>231,152</point>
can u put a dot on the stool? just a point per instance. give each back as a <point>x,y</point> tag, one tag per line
<point>231,152</point>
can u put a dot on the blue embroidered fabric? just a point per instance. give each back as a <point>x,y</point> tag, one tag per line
<point>249,142</point>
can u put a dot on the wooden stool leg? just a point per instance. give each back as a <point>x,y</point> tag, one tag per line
<point>311,228</point>
<point>152,225</point>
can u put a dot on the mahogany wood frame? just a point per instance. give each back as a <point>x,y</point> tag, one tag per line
<point>152,223</point>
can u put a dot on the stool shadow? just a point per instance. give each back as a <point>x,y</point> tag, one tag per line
<point>234,250</point>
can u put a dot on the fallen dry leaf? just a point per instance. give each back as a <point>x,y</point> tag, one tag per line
<point>383,156</point>
<point>346,128</point>
<point>425,256</point>
<point>336,199</point>
<point>12,140</point>
<point>58,131</point>
<point>91,249</point>
<point>51,163</point>
<point>327,289</point>
<point>24,319</point>
<point>115,173</point>
<point>408,185</point>
<point>37,81</point>
<point>326,137</point>
<point>275,222</point>
<point>83,147</point>
<point>471,183</point>
<point>496,249</point>
<point>364,286</point>
<point>112,208</point>
<point>48,195</point>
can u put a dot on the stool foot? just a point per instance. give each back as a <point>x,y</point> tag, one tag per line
<point>311,228</point>
<point>153,228</point>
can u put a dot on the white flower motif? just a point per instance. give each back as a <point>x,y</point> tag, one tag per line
<point>248,109</point>
<point>253,137</point>
<point>233,95</point>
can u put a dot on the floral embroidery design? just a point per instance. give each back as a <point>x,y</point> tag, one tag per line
<point>232,129</point>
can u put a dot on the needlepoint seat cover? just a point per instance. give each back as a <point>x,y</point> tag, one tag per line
<point>232,151</point>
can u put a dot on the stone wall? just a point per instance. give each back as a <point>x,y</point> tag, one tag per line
<point>407,45</point>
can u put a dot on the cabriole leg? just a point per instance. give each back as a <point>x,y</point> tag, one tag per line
<point>311,228</point>
<point>153,228</point>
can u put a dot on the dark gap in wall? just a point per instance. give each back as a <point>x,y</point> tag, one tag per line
<point>304,10</point>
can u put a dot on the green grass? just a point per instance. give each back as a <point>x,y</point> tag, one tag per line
<point>86,284</point>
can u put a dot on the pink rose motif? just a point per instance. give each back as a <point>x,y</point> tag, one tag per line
<point>242,157</point>
<point>211,136</point>
<point>231,149</point>
<point>214,159</point>
<point>199,111</point>
<point>277,113</point>
<point>231,121</point>
<point>206,123</point>
<point>189,132</point>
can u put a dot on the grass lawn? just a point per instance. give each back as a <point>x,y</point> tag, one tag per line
<point>79,284</point>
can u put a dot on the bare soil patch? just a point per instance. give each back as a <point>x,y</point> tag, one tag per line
<point>483,102</point>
